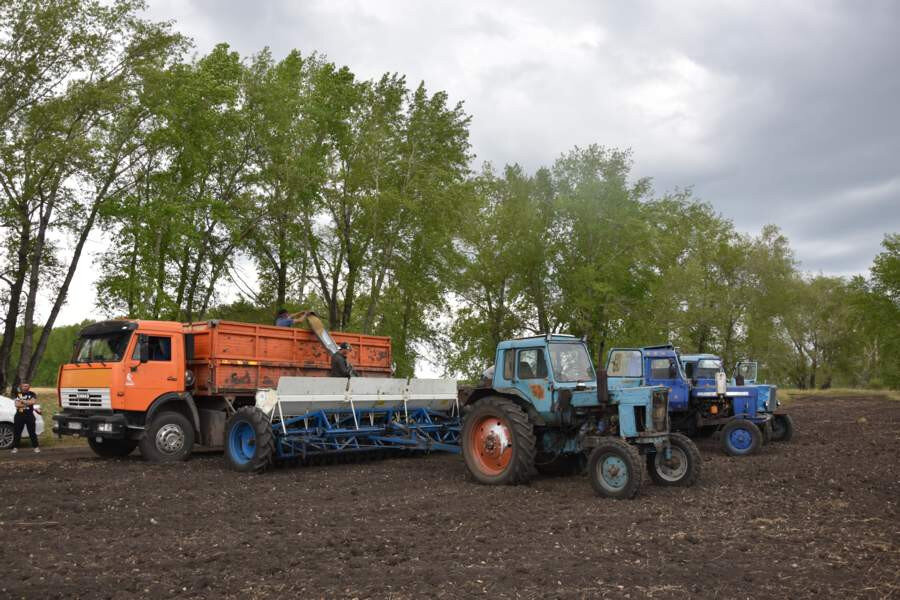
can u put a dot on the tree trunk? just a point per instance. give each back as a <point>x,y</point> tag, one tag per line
<point>15,299</point>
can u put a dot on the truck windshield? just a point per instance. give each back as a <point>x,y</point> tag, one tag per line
<point>109,347</point>
<point>707,368</point>
<point>571,363</point>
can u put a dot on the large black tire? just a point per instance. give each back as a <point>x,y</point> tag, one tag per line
<point>6,435</point>
<point>741,437</point>
<point>615,470</point>
<point>498,442</point>
<point>249,442</point>
<point>169,438</point>
<point>112,448</point>
<point>765,431</point>
<point>686,466</point>
<point>782,428</point>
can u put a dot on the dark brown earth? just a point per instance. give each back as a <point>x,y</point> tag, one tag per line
<point>817,517</point>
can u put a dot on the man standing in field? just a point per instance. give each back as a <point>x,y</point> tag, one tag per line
<point>340,366</point>
<point>25,417</point>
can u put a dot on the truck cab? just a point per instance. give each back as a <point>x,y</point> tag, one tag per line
<point>122,375</point>
<point>700,398</point>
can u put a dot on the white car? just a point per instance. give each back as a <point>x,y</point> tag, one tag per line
<point>7,414</point>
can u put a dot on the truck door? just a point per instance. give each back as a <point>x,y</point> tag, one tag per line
<point>162,372</point>
<point>665,371</point>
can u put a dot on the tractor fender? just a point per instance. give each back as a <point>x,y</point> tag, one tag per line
<point>171,400</point>
<point>513,394</point>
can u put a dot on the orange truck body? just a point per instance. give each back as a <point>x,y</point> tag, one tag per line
<point>201,370</point>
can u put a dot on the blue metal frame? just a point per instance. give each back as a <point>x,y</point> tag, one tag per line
<point>344,431</point>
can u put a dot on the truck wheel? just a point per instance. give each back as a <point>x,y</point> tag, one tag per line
<point>6,436</point>
<point>615,469</point>
<point>782,428</point>
<point>741,437</point>
<point>498,443</point>
<point>684,467</point>
<point>112,448</point>
<point>169,438</point>
<point>249,442</point>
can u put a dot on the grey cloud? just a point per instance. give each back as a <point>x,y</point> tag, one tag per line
<point>774,113</point>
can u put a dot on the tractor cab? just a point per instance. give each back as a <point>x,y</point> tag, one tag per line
<point>744,373</point>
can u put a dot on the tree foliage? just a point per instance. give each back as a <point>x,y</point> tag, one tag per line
<point>301,185</point>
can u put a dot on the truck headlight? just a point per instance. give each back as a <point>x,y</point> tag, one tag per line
<point>105,427</point>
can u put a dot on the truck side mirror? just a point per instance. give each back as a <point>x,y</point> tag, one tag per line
<point>143,348</point>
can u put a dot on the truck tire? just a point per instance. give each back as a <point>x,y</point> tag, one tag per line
<point>498,442</point>
<point>741,437</point>
<point>782,428</point>
<point>614,468</point>
<point>249,442</point>
<point>687,463</point>
<point>112,448</point>
<point>169,438</point>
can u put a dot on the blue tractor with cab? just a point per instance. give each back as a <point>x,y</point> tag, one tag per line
<point>701,402</point>
<point>543,404</point>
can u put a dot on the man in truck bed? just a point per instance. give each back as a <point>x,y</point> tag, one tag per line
<point>340,366</point>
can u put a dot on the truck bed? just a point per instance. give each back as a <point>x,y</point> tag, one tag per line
<point>228,357</point>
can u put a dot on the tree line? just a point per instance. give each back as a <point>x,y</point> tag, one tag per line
<point>301,185</point>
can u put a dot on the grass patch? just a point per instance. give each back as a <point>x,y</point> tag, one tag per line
<point>788,395</point>
<point>46,397</point>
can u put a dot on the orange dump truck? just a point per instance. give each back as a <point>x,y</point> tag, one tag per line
<point>166,386</point>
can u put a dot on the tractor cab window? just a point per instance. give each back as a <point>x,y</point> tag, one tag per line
<point>571,363</point>
<point>747,370</point>
<point>663,368</point>
<point>531,364</point>
<point>509,364</point>
<point>689,369</point>
<point>160,348</point>
<point>624,363</point>
<point>707,368</point>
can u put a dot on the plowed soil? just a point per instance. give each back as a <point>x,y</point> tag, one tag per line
<point>817,517</point>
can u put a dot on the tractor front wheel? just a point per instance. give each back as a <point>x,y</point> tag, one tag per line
<point>782,428</point>
<point>498,442</point>
<point>615,469</point>
<point>682,469</point>
<point>741,437</point>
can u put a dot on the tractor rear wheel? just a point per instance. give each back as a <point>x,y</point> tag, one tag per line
<point>614,468</point>
<point>782,428</point>
<point>741,437</point>
<point>498,442</point>
<point>684,467</point>
<point>249,442</point>
<point>112,448</point>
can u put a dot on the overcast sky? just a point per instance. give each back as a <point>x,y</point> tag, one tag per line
<point>782,113</point>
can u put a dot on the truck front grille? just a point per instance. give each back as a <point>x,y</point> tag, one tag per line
<point>84,398</point>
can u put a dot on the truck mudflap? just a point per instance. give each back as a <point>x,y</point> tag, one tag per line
<point>110,426</point>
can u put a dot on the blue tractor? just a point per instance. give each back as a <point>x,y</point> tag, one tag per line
<point>542,403</point>
<point>746,373</point>
<point>701,401</point>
